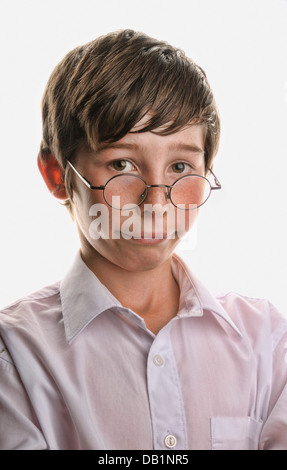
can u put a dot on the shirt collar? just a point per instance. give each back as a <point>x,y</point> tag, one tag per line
<point>84,297</point>
<point>195,297</point>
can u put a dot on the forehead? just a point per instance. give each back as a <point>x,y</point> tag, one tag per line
<point>191,138</point>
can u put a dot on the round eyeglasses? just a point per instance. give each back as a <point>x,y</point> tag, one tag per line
<point>127,191</point>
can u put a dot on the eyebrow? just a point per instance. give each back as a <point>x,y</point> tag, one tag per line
<point>117,145</point>
<point>177,147</point>
<point>183,147</point>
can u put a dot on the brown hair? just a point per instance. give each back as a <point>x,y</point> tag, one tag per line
<point>99,91</point>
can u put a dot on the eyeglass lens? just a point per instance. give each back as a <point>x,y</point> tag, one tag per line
<point>189,192</point>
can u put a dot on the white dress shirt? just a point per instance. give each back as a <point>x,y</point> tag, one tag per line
<point>79,371</point>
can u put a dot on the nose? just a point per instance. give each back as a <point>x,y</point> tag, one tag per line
<point>156,209</point>
<point>158,212</point>
<point>157,194</point>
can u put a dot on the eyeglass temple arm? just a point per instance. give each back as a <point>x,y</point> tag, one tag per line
<point>85,181</point>
<point>217,182</point>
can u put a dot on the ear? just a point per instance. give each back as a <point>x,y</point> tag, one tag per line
<point>52,175</point>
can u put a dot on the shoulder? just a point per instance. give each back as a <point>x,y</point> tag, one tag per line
<point>40,300</point>
<point>24,324</point>
<point>255,317</point>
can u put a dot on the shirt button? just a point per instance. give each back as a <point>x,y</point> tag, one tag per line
<point>170,441</point>
<point>158,360</point>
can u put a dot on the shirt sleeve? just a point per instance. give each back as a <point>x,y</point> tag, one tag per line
<point>19,429</point>
<point>274,432</point>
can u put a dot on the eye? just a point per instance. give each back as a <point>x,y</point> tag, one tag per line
<point>180,167</point>
<point>122,165</point>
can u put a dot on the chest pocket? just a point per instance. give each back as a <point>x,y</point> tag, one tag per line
<point>229,433</point>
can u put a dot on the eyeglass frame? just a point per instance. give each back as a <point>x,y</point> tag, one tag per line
<point>148,186</point>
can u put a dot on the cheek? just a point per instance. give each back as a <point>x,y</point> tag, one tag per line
<point>185,220</point>
<point>88,204</point>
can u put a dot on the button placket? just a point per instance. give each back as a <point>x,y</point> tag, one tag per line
<point>166,405</point>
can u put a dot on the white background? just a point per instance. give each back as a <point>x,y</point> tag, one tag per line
<point>242,45</point>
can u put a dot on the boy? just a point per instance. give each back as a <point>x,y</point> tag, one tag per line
<point>130,351</point>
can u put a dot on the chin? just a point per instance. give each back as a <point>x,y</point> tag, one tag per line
<point>145,259</point>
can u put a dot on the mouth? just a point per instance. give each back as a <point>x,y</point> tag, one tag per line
<point>149,241</point>
<point>149,238</point>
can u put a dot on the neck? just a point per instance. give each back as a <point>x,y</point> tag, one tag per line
<point>153,294</point>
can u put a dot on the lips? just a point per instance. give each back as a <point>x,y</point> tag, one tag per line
<point>149,238</point>
<point>149,241</point>
<point>153,235</point>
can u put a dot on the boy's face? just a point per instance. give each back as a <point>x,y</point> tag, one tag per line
<point>145,237</point>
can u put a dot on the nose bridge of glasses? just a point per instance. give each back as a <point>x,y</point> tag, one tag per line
<point>164,186</point>
<point>158,186</point>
